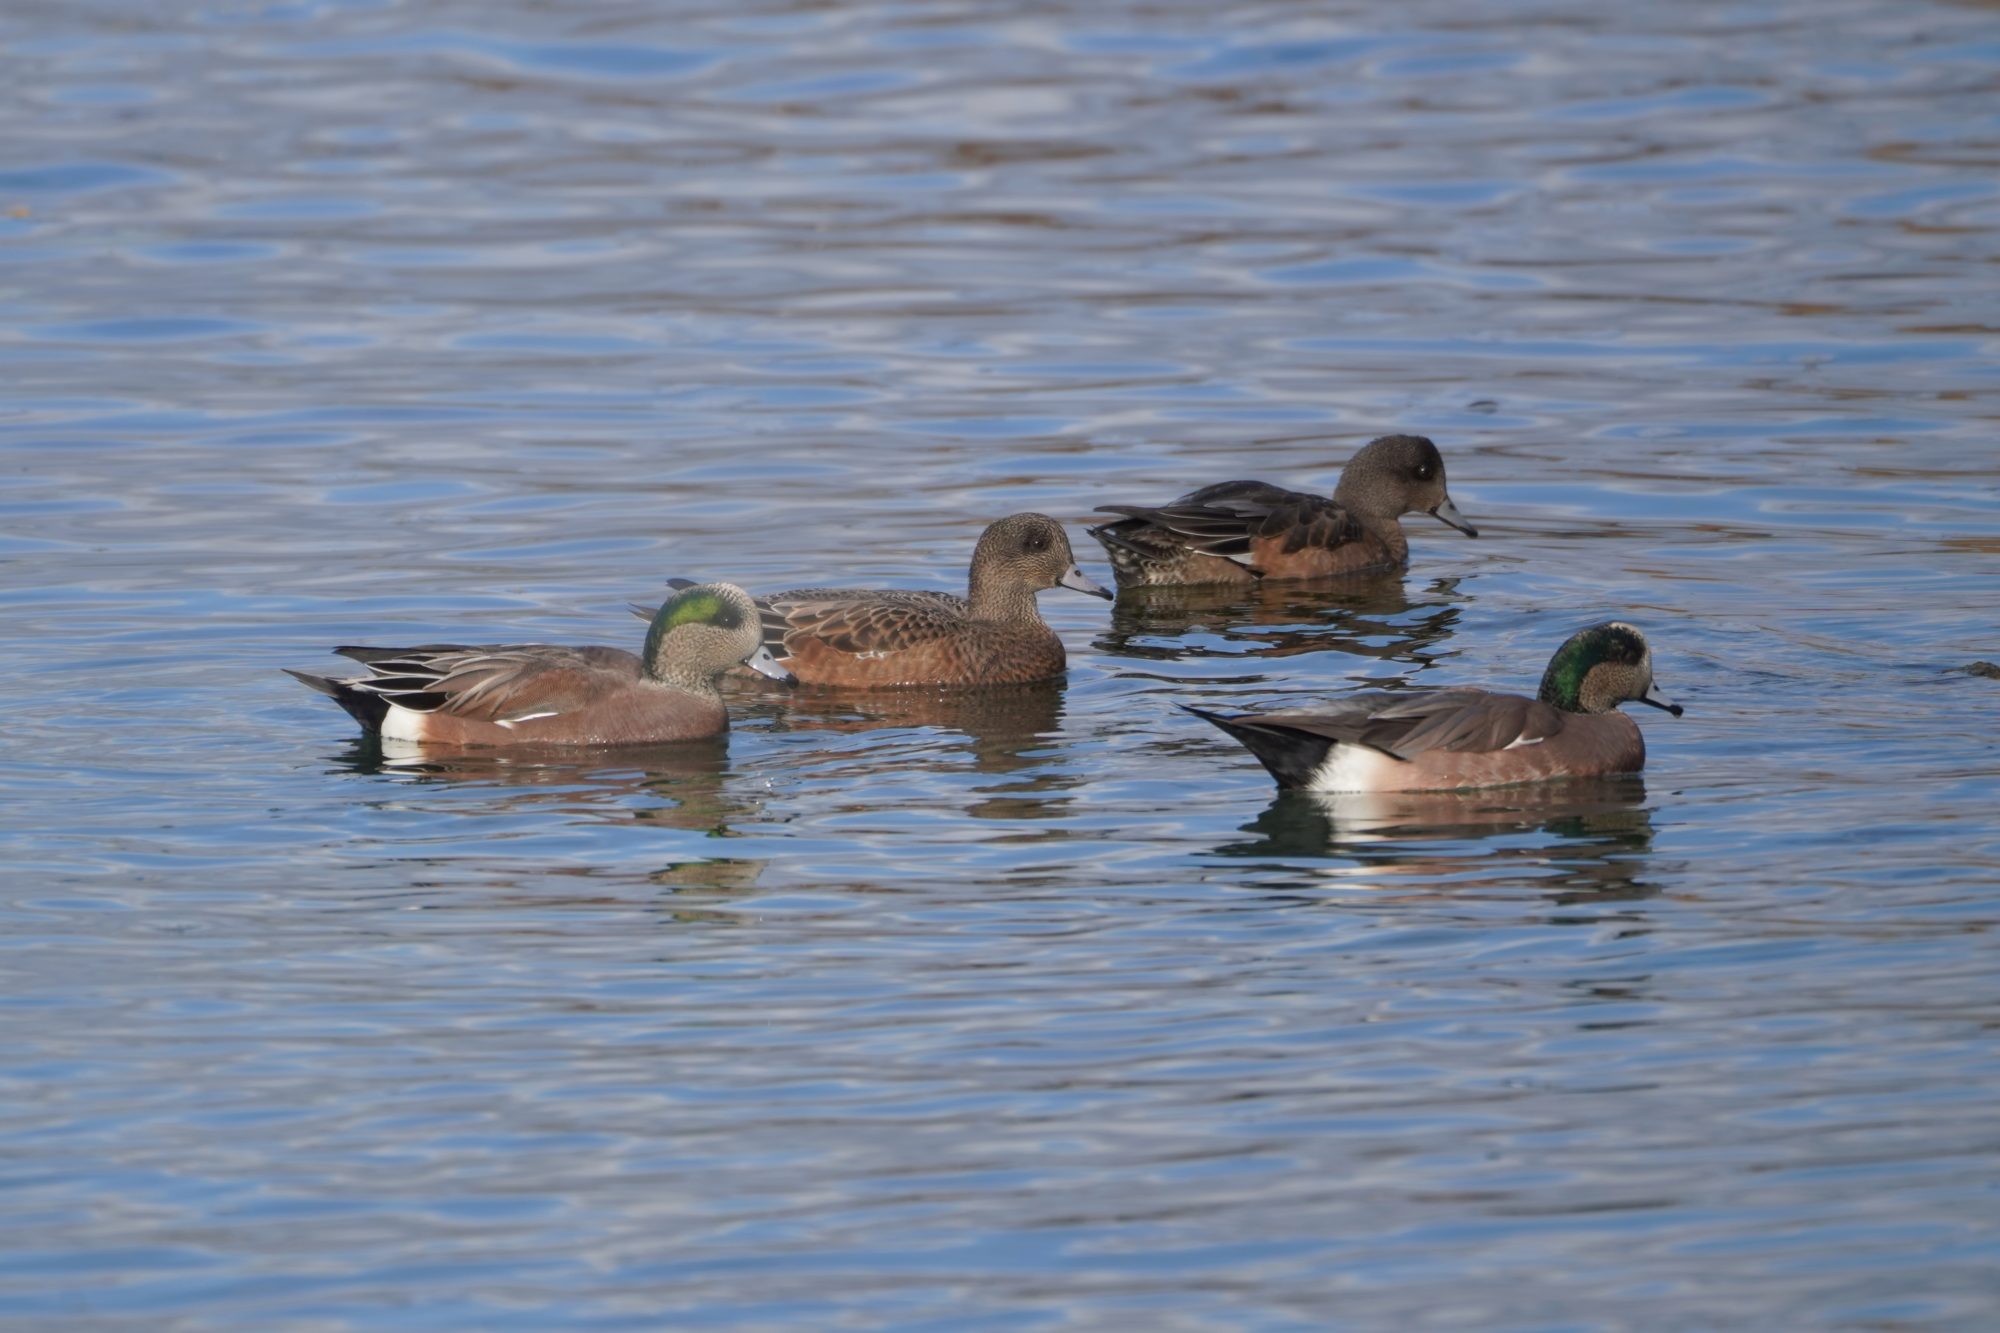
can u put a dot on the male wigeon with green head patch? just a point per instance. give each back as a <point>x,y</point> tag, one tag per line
<point>1438,740</point>
<point>548,694</point>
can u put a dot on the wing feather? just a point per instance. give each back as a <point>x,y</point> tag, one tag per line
<point>490,682</point>
<point>863,621</point>
<point>1226,519</point>
<point>1407,725</point>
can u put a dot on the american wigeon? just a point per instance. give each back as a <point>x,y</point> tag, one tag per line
<point>1243,531</point>
<point>547,694</point>
<point>1434,740</point>
<point>875,638</point>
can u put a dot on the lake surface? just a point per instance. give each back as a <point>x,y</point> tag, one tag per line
<point>362,322</point>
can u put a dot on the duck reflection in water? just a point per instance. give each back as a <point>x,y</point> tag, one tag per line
<point>1591,838</point>
<point>1368,617</point>
<point>1009,732</point>
<point>1007,726</point>
<point>686,785</point>
<point>681,785</point>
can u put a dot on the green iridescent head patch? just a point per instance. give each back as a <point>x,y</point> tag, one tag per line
<point>1612,642</point>
<point>693,606</point>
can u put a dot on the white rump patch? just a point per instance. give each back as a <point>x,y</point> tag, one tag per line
<point>1355,768</point>
<point>402,724</point>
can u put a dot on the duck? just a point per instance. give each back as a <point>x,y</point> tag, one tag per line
<point>865,638</point>
<point>551,694</point>
<point>1448,739</point>
<point>1244,532</point>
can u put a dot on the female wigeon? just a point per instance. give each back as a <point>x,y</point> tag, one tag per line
<point>1243,531</point>
<point>995,635</point>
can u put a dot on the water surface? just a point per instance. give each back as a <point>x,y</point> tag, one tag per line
<point>330,323</point>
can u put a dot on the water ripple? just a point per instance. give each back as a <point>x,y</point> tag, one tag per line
<point>326,324</point>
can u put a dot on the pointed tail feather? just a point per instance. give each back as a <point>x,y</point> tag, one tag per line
<point>1291,757</point>
<point>1115,541</point>
<point>330,688</point>
<point>365,708</point>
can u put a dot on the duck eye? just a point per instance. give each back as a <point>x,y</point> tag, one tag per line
<point>1036,542</point>
<point>1423,472</point>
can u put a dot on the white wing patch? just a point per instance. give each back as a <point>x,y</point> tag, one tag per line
<point>511,722</point>
<point>1520,742</point>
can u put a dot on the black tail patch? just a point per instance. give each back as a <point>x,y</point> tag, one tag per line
<point>1292,757</point>
<point>363,707</point>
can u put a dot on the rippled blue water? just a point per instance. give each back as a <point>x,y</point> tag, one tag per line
<point>326,322</point>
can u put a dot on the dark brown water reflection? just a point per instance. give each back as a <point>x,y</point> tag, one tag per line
<point>1588,839</point>
<point>329,322</point>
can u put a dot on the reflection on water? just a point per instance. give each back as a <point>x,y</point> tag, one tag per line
<point>1010,733</point>
<point>698,886</point>
<point>999,729</point>
<point>325,323</point>
<point>1365,617</point>
<point>1590,838</point>
<point>684,786</point>
<point>540,765</point>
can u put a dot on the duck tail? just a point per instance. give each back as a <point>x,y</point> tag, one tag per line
<point>1290,756</point>
<point>365,708</point>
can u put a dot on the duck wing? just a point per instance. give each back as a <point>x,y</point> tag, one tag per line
<point>1407,725</point>
<point>491,682</point>
<point>1226,518</point>
<point>862,621</point>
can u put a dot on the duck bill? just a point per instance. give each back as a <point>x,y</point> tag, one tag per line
<point>1661,702</point>
<point>1447,514</point>
<point>1078,580</point>
<point>764,664</point>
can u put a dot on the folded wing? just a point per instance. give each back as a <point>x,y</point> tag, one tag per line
<point>1227,519</point>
